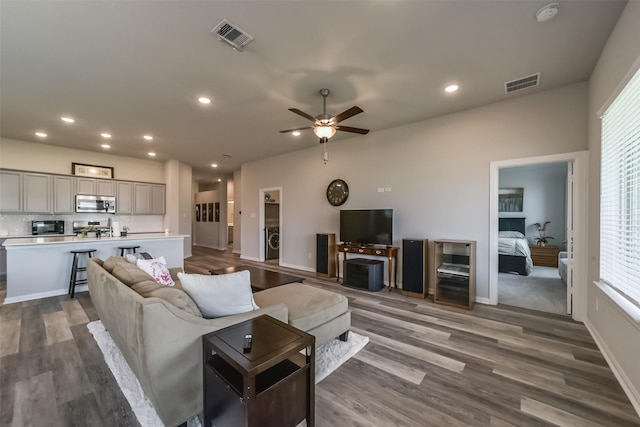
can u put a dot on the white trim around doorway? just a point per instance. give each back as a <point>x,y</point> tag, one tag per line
<point>580,255</point>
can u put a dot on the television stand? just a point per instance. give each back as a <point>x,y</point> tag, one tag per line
<point>389,252</point>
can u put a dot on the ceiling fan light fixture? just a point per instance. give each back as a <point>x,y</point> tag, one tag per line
<point>324,131</point>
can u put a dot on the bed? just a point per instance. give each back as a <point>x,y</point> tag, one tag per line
<point>514,255</point>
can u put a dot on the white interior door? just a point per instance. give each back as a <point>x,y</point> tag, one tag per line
<point>570,226</point>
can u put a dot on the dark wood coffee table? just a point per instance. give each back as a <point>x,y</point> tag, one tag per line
<point>271,385</point>
<point>260,279</point>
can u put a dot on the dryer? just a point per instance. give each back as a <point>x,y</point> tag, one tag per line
<point>272,243</point>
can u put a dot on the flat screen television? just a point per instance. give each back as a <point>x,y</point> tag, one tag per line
<point>367,226</point>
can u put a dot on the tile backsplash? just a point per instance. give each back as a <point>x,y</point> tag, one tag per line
<point>20,224</point>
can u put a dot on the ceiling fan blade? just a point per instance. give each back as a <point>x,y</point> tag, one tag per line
<point>293,130</point>
<point>348,113</point>
<point>353,130</point>
<point>303,114</point>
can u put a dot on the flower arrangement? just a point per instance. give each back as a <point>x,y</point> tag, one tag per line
<point>124,231</point>
<point>542,229</point>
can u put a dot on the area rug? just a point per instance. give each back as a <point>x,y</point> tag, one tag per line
<point>328,358</point>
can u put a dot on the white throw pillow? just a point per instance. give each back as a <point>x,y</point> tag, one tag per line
<point>220,295</point>
<point>156,268</point>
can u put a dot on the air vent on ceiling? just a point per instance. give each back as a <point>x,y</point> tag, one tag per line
<point>231,34</point>
<point>523,83</point>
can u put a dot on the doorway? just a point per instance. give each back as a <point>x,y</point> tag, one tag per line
<point>270,224</point>
<point>575,226</point>
<point>529,195</point>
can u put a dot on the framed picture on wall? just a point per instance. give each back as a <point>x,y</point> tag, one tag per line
<point>197,213</point>
<point>204,212</point>
<point>510,199</point>
<point>210,212</point>
<point>217,212</point>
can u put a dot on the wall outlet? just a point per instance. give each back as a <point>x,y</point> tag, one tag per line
<point>387,189</point>
<point>309,255</point>
<point>380,190</point>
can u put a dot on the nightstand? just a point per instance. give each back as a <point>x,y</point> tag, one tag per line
<point>544,256</point>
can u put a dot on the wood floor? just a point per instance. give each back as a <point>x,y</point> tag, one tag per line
<point>425,365</point>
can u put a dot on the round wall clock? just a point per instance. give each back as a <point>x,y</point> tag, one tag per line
<point>337,192</point>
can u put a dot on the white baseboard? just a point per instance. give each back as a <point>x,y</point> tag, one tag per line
<point>482,300</point>
<point>627,385</point>
<point>236,252</point>
<point>248,258</point>
<point>21,298</point>
<point>298,267</point>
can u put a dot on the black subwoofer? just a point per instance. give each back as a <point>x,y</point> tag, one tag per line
<point>326,255</point>
<point>415,267</point>
<point>364,274</point>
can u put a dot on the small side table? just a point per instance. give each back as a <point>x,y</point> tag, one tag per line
<point>545,256</point>
<point>272,385</point>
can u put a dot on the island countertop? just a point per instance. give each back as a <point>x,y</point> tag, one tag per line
<point>44,240</point>
<point>40,266</point>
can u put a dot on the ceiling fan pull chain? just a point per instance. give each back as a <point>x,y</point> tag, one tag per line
<point>325,155</point>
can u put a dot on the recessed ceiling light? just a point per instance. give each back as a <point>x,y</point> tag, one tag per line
<point>214,165</point>
<point>67,119</point>
<point>204,100</point>
<point>41,134</point>
<point>548,12</point>
<point>151,153</point>
<point>105,135</point>
<point>148,137</point>
<point>295,133</point>
<point>219,179</point>
<point>451,88</point>
<point>106,146</point>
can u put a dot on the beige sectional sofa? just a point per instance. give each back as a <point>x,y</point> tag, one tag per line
<point>159,328</point>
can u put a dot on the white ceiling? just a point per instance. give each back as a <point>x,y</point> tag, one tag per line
<point>132,68</point>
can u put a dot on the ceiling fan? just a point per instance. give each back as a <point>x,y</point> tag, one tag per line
<point>325,125</point>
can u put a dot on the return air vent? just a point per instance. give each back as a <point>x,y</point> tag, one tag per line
<point>523,83</point>
<point>231,34</point>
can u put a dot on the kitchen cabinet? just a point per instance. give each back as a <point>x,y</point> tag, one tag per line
<point>63,194</point>
<point>10,191</point>
<point>105,187</point>
<point>157,199</point>
<point>86,186</point>
<point>141,198</point>
<point>37,193</point>
<point>124,193</point>
<point>148,199</point>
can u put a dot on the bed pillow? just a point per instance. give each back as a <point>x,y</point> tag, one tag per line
<point>156,268</point>
<point>220,295</point>
<point>511,234</point>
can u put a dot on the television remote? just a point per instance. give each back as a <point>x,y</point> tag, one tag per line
<point>246,344</point>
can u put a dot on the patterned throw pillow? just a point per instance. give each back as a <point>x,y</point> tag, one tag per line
<point>156,268</point>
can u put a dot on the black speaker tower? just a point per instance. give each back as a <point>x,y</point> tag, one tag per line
<point>326,255</point>
<point>415,267</point>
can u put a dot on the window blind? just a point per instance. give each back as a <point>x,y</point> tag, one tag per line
<point>620,193</point>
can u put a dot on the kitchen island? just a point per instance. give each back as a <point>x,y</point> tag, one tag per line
<point>40,267</point>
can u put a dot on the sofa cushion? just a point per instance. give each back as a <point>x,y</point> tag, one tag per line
<point>220,295</point>
<point>129,274</point>
<point>111,262</point>
<point>308,307</point>
<point>176,297</point>
<point>156,268</point>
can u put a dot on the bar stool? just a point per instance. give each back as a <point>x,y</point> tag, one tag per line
<point>127,248</point>
<point>75,269</point>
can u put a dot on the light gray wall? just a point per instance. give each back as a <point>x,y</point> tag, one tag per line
<point>206,233</point>
<point>437,170</point>
<point>545,198</point>
<point>617,333</point>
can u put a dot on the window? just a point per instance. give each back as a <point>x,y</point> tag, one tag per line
<point>620,193</point>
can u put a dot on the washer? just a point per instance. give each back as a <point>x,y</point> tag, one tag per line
<point>272,242</point>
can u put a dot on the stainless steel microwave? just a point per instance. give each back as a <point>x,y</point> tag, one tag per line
<point>96,204</point>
